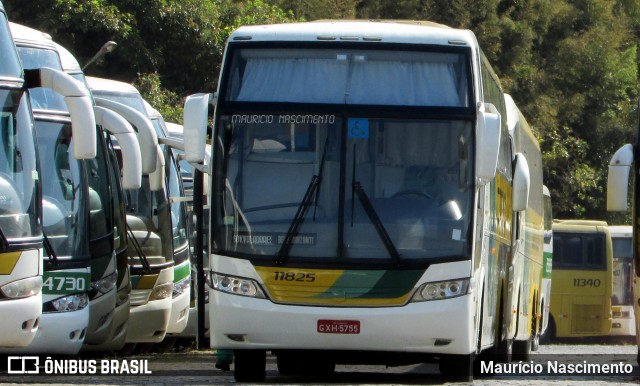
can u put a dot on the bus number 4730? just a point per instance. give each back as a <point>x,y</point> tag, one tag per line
<point>62,284</point>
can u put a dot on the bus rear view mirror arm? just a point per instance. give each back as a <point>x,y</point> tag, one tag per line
<point>487,142</point>
<point>618,179</point>
<point>196,115</point>
<point>521,183</point>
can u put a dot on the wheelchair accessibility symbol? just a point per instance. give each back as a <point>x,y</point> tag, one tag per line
<point>358,128</point>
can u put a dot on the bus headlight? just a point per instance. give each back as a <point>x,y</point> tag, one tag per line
<point>23,288</point>
<point>161,291</point>
<point>68,303</point>
<point>105,284</point>
<point>181,287</point>
<point>236,285</point>
<point>441,290</point>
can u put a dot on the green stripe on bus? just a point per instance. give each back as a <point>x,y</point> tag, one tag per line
<point>373,284</point>
<point>181,271</point>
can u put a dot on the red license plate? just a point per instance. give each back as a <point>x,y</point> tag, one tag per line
<point>338,326</point>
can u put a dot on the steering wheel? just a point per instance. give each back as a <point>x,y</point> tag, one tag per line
<point>412,192</point>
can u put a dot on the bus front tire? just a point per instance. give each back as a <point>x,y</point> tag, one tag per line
<point>459,367</point>
<point>300,362</point>
<point>549,333</point>
<point>522,350</point>
<point>250,365</point>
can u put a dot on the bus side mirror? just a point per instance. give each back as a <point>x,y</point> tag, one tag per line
<point>116,125</point>
<point>146,133</point>
<point>156,179</point>
<point>76,97</point>
<point>196,109</point>
<point>521,183</point>
<point>618,179</point>
<point>487,142</point>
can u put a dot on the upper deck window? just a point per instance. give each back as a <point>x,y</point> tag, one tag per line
<point>349,76</point>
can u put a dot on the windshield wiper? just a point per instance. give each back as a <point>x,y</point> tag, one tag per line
<point>312,190</point>
<point>4,243</point>
<point>136,245</point>
<point>357,188</point>
<point>48,247</point>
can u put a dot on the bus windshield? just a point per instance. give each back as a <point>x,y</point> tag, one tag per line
<point>19,178</point>
<point>316,187</point>
<point>9,63</point>
<point>349,76</point>
<point>128,99</point>
<point>42,98</point>
<point>178,216</point>
<point>63,198</point>
<point>100,200</point>
<point>149,214</point>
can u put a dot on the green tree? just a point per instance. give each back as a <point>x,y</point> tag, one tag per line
<point>172,46</point>
<point>570,65</point>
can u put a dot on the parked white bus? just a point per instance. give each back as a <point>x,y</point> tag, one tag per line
<point>65,197</point>
<point>624,162</point>
<point>367,204</point>
<point>108,327</point>
<point>548,259</point>
<point>20,185</point>
<point>148,220</point>
<point>181,296</point>
<point>623,322</point>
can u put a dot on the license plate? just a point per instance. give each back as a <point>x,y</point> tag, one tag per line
<point>338,326</point>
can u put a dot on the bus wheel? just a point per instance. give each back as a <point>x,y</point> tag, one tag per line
<point>522,350</point>
<point>250,365</point>
<point>535,342</point>
<point>167,344</point>
<point>458,367</point>
<point>304,363</point>
<point>550,332</point>
<point>127,349</point>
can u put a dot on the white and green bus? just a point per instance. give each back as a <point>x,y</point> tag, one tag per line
<point>65,198</point>
<point>624,164</point>
<point>548,259</point>
<point>165,208</point>
<point>108,326</point>
<point>20,207</point>
<point>623,322</point>
<point>367,204</point>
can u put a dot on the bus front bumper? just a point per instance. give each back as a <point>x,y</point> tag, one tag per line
<point>440,327</point>
<point>20,320</point>
<point>59,333</point>
<point>148,322</point>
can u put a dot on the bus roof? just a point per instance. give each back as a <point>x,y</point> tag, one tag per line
<point>374,31</point>
<point>580,225</point>
<point>621,230</point>
<point>151,111</point>
<point>69,62</point>
<point>111,85</point>
<point>23,35</point>
<point>514,116</point>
